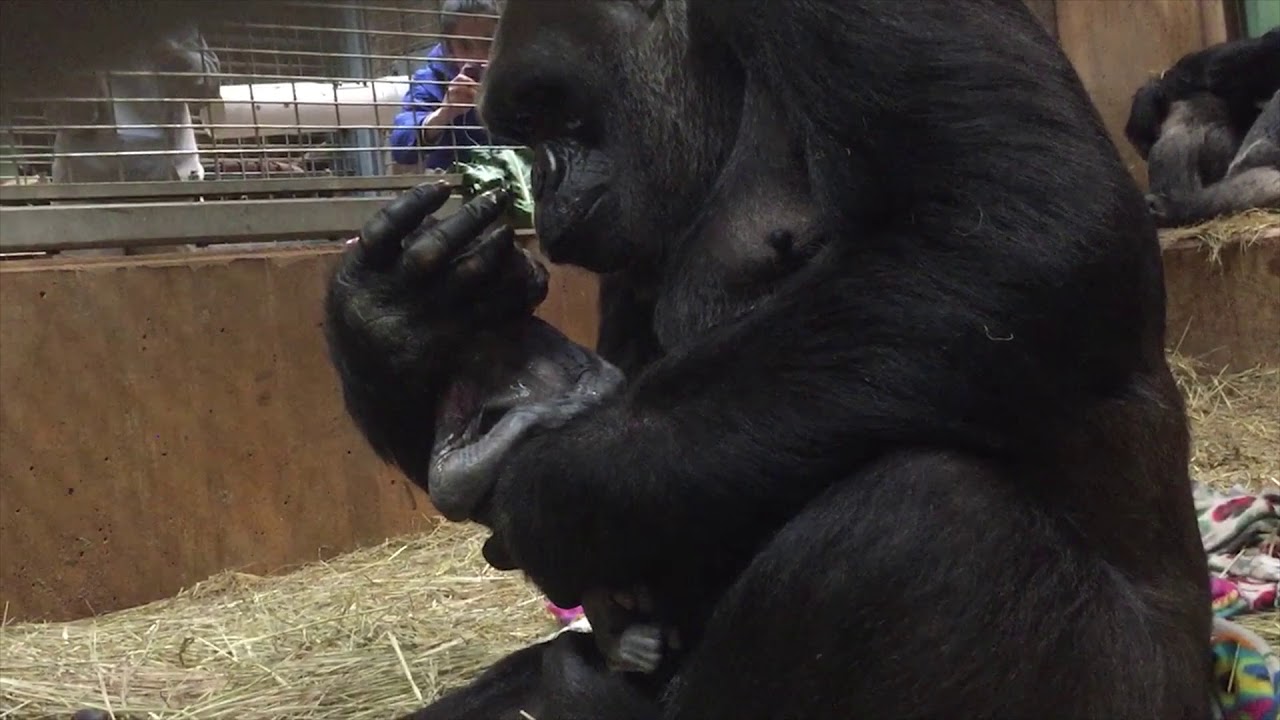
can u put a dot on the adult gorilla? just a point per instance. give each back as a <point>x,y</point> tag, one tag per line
<point>898,438</point>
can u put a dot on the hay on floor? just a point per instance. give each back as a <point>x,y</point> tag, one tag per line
<point>1243,229</point>
<point>1235,432</point>
<point>384,630</point>
<point>366,635</point>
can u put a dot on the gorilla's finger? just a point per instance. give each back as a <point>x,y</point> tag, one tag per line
<point>454,232</point>
<point>486,256</point>
<point>520,285</point>
<point>382,234</point>
<point>535,277</point>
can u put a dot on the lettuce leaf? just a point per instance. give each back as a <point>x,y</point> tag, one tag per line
<point>511,169</point>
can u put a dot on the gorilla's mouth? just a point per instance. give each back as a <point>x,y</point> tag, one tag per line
<point>571,187</point>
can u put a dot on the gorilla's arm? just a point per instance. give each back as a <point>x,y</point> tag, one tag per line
<point>1242,70</point>
<point>1246,70</point>
<point>714,445</point>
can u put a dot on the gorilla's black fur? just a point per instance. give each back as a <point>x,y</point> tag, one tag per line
<point>898,438</point>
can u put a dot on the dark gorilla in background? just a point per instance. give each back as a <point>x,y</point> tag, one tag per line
<point>897,437</point>
<point>1209,129</point>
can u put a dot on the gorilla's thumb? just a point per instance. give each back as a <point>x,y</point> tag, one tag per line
<point>496,554</point>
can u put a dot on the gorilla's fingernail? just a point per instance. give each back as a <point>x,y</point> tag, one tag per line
<point>497,196</point>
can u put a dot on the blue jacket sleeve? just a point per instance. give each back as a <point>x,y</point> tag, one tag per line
<point>426,89</point>
<point>404,142</point>
<point>426,92</point>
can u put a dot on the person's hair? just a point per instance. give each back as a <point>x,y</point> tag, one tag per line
<point>451,11</point>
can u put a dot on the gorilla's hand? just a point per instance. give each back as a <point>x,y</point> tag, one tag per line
<point>411,304</point>
<point>440,276</point>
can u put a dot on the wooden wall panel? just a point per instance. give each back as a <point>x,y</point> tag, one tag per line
<point>1226,310</point>
<point>164,419</point>
<point>1115,45</point>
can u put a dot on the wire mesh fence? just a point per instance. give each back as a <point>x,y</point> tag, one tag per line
<point>246,129</point>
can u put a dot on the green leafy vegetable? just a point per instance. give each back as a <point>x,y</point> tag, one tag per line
<point>488,168</point>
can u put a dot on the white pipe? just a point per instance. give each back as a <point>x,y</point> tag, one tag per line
<point>316,106</point>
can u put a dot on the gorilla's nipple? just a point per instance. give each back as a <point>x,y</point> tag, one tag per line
<point>783,242</point>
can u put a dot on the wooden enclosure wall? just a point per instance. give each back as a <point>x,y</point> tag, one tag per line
<point>163,420</point>
<point>1224,306</point>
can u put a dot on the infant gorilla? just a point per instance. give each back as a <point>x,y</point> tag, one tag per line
<point>533,378</point>
<point>512,382</point>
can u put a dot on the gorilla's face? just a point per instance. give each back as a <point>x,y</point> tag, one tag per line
<point>627,129</point>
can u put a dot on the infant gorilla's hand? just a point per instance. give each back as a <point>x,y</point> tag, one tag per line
<point>411,284</point>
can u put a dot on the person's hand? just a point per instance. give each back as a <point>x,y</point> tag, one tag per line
<point>460,96</point>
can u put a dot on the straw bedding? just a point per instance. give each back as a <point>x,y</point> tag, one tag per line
<point>366,635</point>
<point>1243,229</point>
<point>386,629</point>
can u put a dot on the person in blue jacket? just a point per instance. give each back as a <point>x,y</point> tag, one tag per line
<point>439,120</point>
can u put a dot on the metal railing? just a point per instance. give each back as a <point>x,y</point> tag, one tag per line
<point>249,130</point>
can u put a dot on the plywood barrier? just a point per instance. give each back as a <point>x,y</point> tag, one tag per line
<point>164,419</point>
<point>1224,299</point>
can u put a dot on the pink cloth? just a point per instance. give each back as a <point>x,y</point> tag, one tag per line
<point>564,616</point>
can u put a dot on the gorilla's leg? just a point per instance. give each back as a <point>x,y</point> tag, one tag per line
<point>1261,145</point>
<point>564,678</point>
<point>1195,148</point>
<point>1257,187</point>
<point>872,603</point>
<point>511,685</point>
<point>1252,180</point>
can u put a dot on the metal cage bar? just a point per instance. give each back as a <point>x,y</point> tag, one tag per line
<point>231,121</point>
